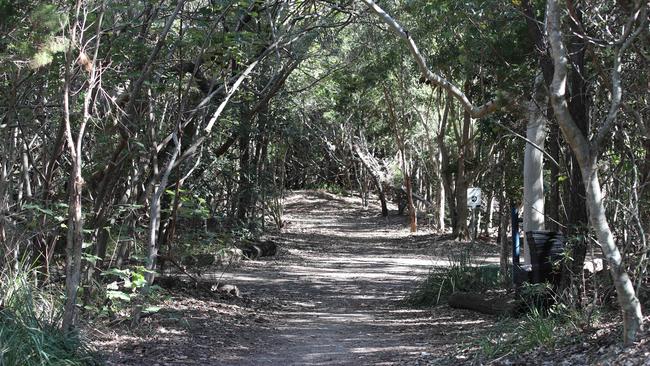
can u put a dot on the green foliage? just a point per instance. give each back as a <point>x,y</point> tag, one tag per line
<point>537,328</point>
<point>192,205</point>
<point>516,336</point>
<point>36,38</point>
<point>331,188</point>
<point>127,285</point>
<point>461,275</point>
<point>275,209</point>
<point>29,325</point>
<point>46,52</point>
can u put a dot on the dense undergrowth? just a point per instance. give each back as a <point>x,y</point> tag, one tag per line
<point>30,331</point>
<point>550,328</point>
<point>542,319</point>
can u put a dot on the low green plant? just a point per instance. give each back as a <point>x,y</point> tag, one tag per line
<point>497,343</point>
<point>332,188</point>
<point>461,275</point>
<point>512,336</point>
<point>30,331</point>
<point>539,327</point>
<point>120,290</point>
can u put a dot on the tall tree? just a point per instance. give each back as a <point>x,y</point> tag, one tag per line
<point>587,153</point>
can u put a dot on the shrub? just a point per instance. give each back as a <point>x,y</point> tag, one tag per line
<point>29,325</point>
<point>461,275</point>
<point>544,328</point>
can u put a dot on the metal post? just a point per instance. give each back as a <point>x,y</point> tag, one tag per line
<point>514,214</point>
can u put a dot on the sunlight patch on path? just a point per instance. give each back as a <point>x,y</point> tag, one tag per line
<point>343,285</point>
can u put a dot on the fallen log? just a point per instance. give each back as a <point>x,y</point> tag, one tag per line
<point>223,257</point>
<point>259,249</point>
<point>491,305</point>
<point>178,283</point>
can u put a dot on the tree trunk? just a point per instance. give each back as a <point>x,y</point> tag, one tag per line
<point>446,193</point>
<point>441,200</point>
<point>578,104</point>
<point>586,153</point>
<point>154,212</point>
<point>533,215</point>
<point>399,137</point>
<point>490,214</point>
<point>553,210</point>
<point>245,190</point>
<point>461,230</point>
<point>74,242</point>
<point>632,316</point>
<point>504,244</point>
<point>413,218</point>
<point>73,246</point>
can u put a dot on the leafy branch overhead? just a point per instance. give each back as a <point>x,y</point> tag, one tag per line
<point>431,78</point>
<point>241,159</point>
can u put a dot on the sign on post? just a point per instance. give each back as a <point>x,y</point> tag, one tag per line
<point>474,198</point>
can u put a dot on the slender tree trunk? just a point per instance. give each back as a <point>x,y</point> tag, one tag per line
<point>74,242</point>
<point>632,316</point>
<point>74,245</point>
<point>399,137</point>
<point>445,170</point>
<point>245,190</point>
<point>490,213</point>
<point>154,213</point>
<point>441,202</point>
<point>462,183</point>
<point>504,222</point>
<point>413,219</point>
<point>586,153</point>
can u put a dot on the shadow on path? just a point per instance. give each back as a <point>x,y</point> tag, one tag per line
<point>342,289</point>
<point>332,296</point>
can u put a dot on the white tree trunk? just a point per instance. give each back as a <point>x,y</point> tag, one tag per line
<point>490,215</point>
<point>632,316</point>
<point>586,153</point>
<point>154,213</point>
<point>533,214</point>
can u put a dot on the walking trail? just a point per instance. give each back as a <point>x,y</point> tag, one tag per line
<point>333,295</point>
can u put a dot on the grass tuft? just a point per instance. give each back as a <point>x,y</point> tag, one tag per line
<point>461,275</point>
<point>29,325</point>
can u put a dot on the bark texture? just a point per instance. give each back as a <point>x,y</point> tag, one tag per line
<point>534,164</point>
<point>586,153</point>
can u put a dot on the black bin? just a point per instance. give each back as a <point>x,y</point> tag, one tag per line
<point>546,247</point>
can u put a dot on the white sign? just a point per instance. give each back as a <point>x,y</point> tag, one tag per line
<point>474,198</point>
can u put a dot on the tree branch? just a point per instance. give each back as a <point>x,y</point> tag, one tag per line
<point>558,86</point>
<point>617,89</point>
<point>431,77</point>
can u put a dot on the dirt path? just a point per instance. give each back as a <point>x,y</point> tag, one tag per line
<point>331,297</point>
